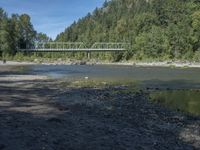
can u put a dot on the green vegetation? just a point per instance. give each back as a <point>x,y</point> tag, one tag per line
<point>156,29</point>
<point>127,86</point>
<point>186,101</point>
<point>17,31</point>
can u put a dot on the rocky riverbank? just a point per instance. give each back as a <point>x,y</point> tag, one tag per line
<point>15,63</point>
<point>47,114</point>
<point>182,64</point>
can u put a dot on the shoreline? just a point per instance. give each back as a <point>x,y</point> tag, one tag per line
<point>156,64</point>
<point>16,63</point>
<point>137,64</point>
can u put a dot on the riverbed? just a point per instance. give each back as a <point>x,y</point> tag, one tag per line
<point>41,110</point>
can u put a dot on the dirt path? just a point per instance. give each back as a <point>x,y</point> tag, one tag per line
<point>38,114</point>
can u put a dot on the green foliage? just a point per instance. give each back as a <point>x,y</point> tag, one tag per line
<point>27,32</point>
<point>197,56</point>
<point>196,26</point>
<point>15,31</point>
<point>154,47</point>
<point>41,37</point>
<point>157,29</point>
<point>180,40</point>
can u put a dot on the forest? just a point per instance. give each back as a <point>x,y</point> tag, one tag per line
<point>156,29</point>
<point>17,32</point>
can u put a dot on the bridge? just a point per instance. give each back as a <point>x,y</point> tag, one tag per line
<point>76,47</point>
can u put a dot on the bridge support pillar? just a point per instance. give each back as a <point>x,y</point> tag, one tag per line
<point>88,55</point>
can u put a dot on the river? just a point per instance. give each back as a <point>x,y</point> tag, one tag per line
<point>175,87</point>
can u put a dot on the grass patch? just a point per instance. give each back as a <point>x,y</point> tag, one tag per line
<point>132,85</point>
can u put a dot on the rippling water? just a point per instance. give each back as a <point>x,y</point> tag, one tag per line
<point>160,78</point>
<point>172,77</point>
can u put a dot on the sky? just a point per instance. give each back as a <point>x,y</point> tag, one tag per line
<point>51,16</point>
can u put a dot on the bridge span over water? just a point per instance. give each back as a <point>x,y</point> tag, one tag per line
<point>75,47</point>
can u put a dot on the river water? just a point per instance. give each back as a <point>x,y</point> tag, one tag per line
<point>175,87</point>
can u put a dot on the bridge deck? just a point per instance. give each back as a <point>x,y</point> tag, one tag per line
<point>72,50</point>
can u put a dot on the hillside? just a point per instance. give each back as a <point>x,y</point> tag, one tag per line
<point>157,29</point>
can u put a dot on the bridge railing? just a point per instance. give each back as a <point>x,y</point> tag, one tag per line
<point>59,45</point>
<point>77,46</point>
<point>111,45</point>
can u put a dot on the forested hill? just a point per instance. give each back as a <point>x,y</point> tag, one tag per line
<point>168,29</point>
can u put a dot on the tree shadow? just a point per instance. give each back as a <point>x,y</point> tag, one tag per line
<point>45,117</point>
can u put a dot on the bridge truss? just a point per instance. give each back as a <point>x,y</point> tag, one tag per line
<point>76,47</point>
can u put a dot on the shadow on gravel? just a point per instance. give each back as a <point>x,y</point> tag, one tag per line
<point>46,117</point>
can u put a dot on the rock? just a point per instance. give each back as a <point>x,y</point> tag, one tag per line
<point>2,146</point>
<point>169,62</point>
<point>148,88</point>
<point>4,61</point>
<point>83,63</point>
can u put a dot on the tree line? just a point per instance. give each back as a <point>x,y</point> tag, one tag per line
<point>17,32</point>
<point>157,29</point>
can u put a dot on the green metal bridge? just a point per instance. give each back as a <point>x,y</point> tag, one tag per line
<point>76,47</point>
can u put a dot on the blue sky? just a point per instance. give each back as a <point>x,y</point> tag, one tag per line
<point>51,16</point>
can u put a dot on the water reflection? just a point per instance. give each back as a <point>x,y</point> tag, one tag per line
<point>184,100</point>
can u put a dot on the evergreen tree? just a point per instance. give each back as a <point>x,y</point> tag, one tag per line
<point>155,28</point>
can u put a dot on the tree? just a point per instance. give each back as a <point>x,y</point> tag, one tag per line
<point>4,33</point>
<point>4,37</point>
<point>27,32</point>
<point>152,44</point>
<point>14,33</point>
<point>156,28</point>
<point>41,37</point>
<point>180,40</point>
<point>196,27</point>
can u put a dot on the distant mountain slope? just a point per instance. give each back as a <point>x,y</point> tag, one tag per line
<point>156,28</point>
